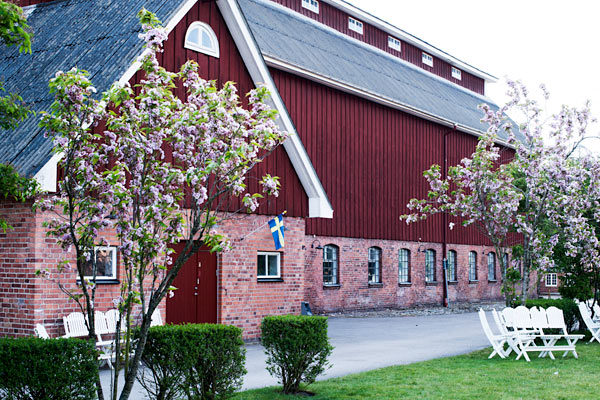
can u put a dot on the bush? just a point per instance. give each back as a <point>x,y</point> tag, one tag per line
<point>297,348</point>
<point>198,361</point>
<point>56,369</point>
<point>568,306</point>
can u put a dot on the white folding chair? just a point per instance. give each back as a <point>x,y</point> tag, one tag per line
<point>40,331</point>
<point>593,327</point>
<point>556,320</point>
<point>497,341</point>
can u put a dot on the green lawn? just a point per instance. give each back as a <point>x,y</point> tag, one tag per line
<point>471,376</point>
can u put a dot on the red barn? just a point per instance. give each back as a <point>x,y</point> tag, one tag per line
<point>369,106</point>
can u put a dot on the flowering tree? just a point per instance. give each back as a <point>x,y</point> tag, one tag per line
<point>127,180</point>
<point>543,184</point>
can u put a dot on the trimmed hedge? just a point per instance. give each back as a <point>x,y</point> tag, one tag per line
<point>196,361</point>
<point>53,369</point>
<point>297,348</point>
<point>568,307</point>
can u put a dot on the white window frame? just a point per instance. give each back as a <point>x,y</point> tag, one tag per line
<point>491,263</point>
<point>456,73</point>
<point>452,256</point>
<point>427,59</point>
<point>311,5</point>
<point>202,27</point>
<point>113,250</point>
<point>430,260</point>
<point>551,279</point>
<point>472,266</point>
<point>335,264</point>
<point>404,265</point>
<point>355,25</point>
<point>376,277</point>
<point>269,254</point>
<point>394,43</point>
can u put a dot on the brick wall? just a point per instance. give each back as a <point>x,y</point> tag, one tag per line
<point>243,300</point>
<point>27,299</point>
<point>354,292</point>
<point>17,277</point>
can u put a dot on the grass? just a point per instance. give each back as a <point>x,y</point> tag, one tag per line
<point>470,376</point>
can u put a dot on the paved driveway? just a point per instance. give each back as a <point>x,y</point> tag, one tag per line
<point>363,344</point>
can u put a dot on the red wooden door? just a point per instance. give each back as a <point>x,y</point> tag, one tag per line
<point>195,300</point>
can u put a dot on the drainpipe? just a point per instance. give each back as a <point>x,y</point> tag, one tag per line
<point>445,301</point>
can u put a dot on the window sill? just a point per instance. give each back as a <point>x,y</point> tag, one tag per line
<point>432,283</point>
<point>375,284</point>
<point>492,281</point>
<point>269,279</point>
<point>406,284</point>
<point>332,286</point>
<point>473,282</point>
<point>103,282</point>
<point>452,283</point>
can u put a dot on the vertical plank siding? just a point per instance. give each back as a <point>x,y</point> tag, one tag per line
<point>338,20</point>
<point>370,159</point>
<point>230,67</point>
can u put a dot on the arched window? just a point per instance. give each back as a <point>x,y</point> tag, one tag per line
<point>200,37</point>
<point>374,265</point>
<point>430,265</point>
<point>330,265</point>
<point>491,266</point>
<point>404,266</point>
<point>472,266</point>
<point>505,260</point>
<point>452,266</point>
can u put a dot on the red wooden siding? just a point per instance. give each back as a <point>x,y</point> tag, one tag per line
<point>23,3</point>
<point>370,159</point>
<point>230,67</point>
<point>338,20</point>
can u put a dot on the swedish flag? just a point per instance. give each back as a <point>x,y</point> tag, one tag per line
<point>277,229</point>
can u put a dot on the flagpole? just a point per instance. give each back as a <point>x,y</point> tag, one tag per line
<point>260,227</point>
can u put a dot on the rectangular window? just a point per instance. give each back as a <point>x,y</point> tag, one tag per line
<point>427,59</point>
<point>312,5</point>
<point>452,266</point>
<point>355,25</point>
<point>430,265</point>
<point>456,73</point>
<point>330,265</point>
<point>404,266</point>
<point>268,265</point>
<point>106,263</point>
<point>551,280</point>
<point>394,43</point>
<point>472,266</point>
<point>374,265</point>
<point>491,266</point>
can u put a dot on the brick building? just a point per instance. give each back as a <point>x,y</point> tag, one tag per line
<point>369,108</point>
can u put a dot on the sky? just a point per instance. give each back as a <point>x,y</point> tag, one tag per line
<point>551,42</point>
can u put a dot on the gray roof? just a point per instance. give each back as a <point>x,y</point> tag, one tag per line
<point>100,36</point>
<point>298,40</point>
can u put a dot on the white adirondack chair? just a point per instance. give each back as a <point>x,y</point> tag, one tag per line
<point>75,326</point>
<point>40,331</point>
<point>593,327</point>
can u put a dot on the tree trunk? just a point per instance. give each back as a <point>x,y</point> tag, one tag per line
<point>526,270</point>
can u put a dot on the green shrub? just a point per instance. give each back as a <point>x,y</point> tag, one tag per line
<point>196,361</point>
<point>297,348</point>
<point>54,369</point>
<point>568,306</point>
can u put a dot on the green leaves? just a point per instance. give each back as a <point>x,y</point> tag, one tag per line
<point>13,27</point>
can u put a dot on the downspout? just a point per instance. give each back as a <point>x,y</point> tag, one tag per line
<point>445,301</point>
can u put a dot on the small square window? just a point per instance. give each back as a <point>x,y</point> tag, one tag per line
<point>355,25</point>
<point>427,59</point>
<point>268,265</point>
<point>456,73</point>
<point>551,280</point>
<point>394,43</point>
<point>106,264</point>
<point>312,5</point>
